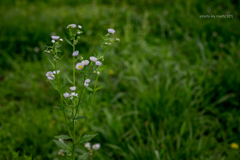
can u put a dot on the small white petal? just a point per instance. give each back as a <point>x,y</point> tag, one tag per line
<point>53,41</point>
<point>73,88</point>
<point>61,39</point>
<point>66,95</point>
<point>71,25</point>
<point>86,84</point>
<point>96,146</point>
<point>111,30</point>
<point>55,37</point>
<point>93,59</point>
<point>87,80</point>
<point>75,53</point>
<point>87,145</point>
<point>79,26</point>
<point>85,62</point>
<point>54,72</point>
<point>98,63</point>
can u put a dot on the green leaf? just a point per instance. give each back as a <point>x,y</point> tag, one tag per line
<point>64,82</point>
<point>69,42</point>
<point>57,107</point>
<point>87,138</point>
<point>90,89</point>
<point>62,145</point>
<point>54,85</point>
<point>62,57</point>
<point>100,87</point>
<point>51,63</point>
<point>62,137</point>
<point>84,156</point>
<point>69,80</point>
<point>58,50</point>
<point>183,128</point>
<point>80,117</point>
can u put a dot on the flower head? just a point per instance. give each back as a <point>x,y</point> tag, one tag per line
<point>79,26</point>
<point>79,66</point>
<point>234,145</point>
<point>49,74</point>
<point>85,62</point>
<point>86,84</point>
<point>75,53</point>
<point>111,30</point>
<point>87,145</point>
<point>73,88</point>
<point>54,72</point>
<point>96,146</point>
<point>73,94</point>
<point>71,26</point>
<point>66,95</point>
<point>87,80</point>
<point>93,59</point>
<point>98,63</point>
<point>53,41</point>
<point>61,39</point>
<point>55,37</point>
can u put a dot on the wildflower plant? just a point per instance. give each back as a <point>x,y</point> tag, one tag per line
<point>72,102</point>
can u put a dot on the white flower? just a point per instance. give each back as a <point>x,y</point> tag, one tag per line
<point>50,78</point>
<point>66,95</point>
<point>75,53</point>
<point>55,37</point>
<point>53,41</point>
<point>49,74</point>
<point>93,59</point>
<point>78,32</point>
<point>60,140</point>
<point>73,94</point>
<point>71,25</point>
<point>73,88</point>
<point>87,80</point>
<point>98,72</point>
<point>79,66</point>
<point>54,72</point>
<point>96,146</point>
<point>111,30</point>
<point>87,145</point>
<point>98,63</point>
<point>48,51</point>
<point>85,62</point>
<point>61,39</point>
<point>86,84</point>
<point>79,26</point>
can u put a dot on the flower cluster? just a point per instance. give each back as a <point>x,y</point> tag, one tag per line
<point>55,38</point>
<point>72,95</point>
<point>50,74</point>
<point>96,146</point>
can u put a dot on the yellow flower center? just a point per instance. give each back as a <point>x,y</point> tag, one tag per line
<point>79,67</point>
<point>49,74</point>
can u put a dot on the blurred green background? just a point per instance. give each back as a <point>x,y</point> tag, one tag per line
<point>172,86</point>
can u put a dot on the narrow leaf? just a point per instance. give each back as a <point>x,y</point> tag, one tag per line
<point>69,42</point>
<point>84,156</point>
<point>57,107</point>
<point>90,89</point>
<point>64,82</point>
<point>100,87</point>
<point>69,80</point>
<point>61,145</point>
<point>51,63</point>
<point>62,137</point>
<point>87,138</point>
<point>102,67</point>
<point>80,117</point>
<point>53,84</point>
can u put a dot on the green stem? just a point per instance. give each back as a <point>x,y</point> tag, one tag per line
<point>73,138</point>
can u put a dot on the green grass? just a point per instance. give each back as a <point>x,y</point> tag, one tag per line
<point>174,94</point>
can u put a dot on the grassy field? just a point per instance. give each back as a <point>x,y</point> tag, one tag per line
<point>172,86</point>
